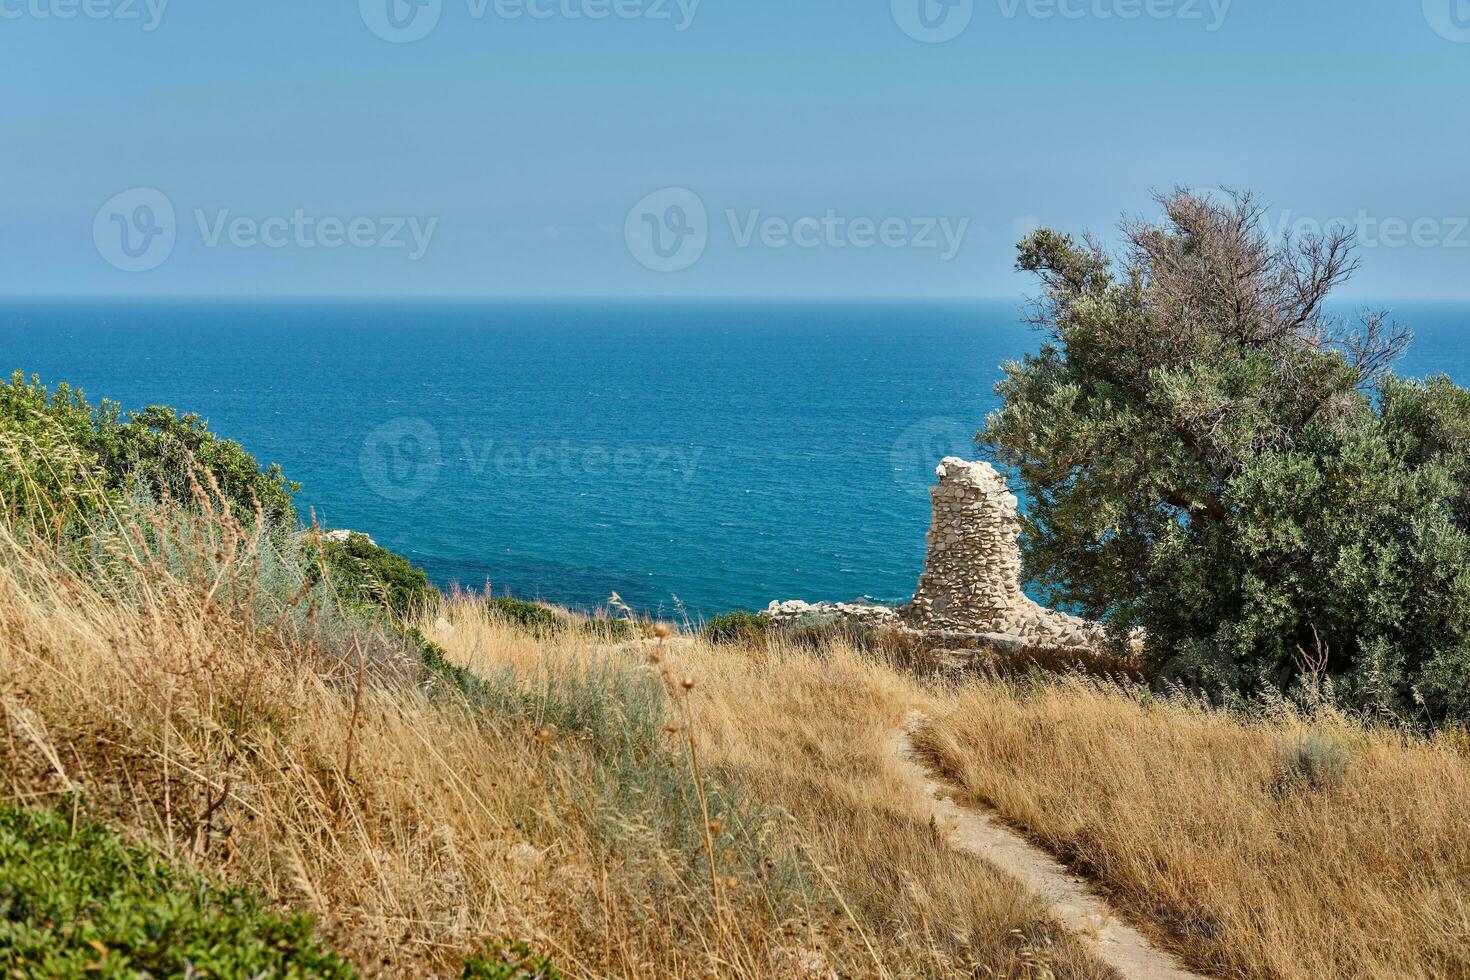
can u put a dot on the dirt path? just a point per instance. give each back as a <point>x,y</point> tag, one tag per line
<point>1077,909</point>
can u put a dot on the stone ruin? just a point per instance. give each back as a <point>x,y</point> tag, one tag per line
<point>970,591</point>
<point>972,573</point>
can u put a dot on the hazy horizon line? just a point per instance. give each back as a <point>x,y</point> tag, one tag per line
<point>1018,298</point>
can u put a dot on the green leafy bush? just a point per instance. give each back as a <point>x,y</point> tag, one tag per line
<point>63,461</point>
<point>438,674</point>
<point>364,572</point>
<point>152,451</point>
<point>82,904</point>
<point>611,630</point>
<point>1212,456</point>
<point>511,962</point>
<point>740,626</point>
<point>530,616</point>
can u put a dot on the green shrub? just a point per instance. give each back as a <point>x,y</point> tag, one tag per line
<point>81,904</point>
<point>68,466</point>
<point>611,630</point>
<point>1210,455</point>
<point>740,626</point>
<point>150,452</point>
<point>530,616</point>
<point>514,961</point>
<point>439,675</point>
<point>367,573</point>
<point>544,620</point>
<point>1315,762</point>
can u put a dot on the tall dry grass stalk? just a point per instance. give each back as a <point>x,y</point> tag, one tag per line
<point>1277,846</point>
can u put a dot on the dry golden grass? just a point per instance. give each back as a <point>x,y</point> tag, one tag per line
<point>208,703</point>
<point>1209,827</point>
<point>807,736</point>
<point>671,809</point>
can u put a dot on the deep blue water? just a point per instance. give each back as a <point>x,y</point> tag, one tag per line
<point>726,454</point>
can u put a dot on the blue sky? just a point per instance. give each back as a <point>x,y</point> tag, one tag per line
<point>832,153</point>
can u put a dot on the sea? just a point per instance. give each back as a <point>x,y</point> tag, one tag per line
<point>692,457</point>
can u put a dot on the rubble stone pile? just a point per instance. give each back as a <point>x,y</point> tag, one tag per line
<point>970,592</point>
<point>972,574</point>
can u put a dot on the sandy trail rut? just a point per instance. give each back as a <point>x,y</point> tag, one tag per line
<point>1070,902</point>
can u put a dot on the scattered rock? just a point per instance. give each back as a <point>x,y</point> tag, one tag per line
<point>341,537</point>
<point>794,611</point>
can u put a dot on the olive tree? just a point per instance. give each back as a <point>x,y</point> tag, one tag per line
<point>1212,455</point>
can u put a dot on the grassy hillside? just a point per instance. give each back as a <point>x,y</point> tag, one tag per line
<point>423,815</point>
<point>184,675</point>
<point>193,698</point>
<point>1275,844</point>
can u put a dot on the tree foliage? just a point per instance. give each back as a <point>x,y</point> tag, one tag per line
<point>1212,455</point>
<point>155,451</point>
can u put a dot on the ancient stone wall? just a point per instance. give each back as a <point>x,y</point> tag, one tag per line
<point>972,574</point>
